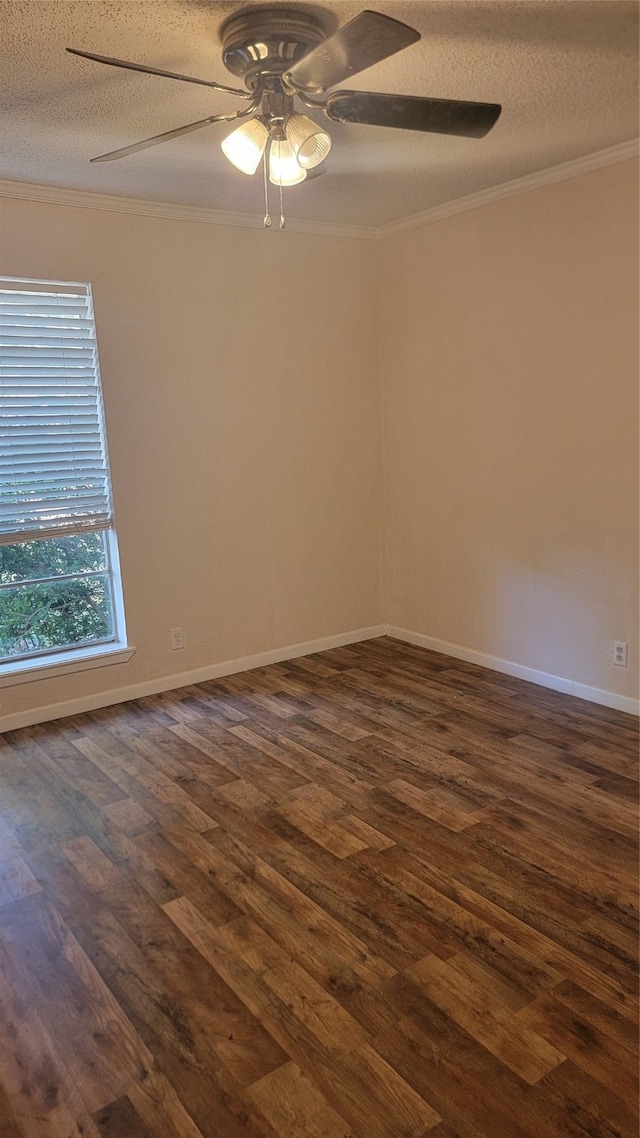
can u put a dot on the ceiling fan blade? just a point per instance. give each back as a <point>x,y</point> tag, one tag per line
<point>365,40</point>
<point>157,138</point>
<point>408,112</point>
<point>158,71</point>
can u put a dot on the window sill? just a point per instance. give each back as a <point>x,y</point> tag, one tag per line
<point>61,663</point>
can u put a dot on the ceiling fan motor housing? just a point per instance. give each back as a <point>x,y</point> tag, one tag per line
<point>268,41</point>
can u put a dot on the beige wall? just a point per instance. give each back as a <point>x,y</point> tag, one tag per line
<point>242,371</point>
<point>243,424</point>
<point>510,367</point>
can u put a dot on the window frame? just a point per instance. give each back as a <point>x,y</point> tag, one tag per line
<point>85,654</point>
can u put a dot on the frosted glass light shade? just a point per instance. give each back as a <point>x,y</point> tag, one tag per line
<point>311,144</point>
<point>244,147</point>
<point>283,166</point>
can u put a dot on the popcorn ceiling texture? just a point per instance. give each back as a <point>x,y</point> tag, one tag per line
<point>564,70</point>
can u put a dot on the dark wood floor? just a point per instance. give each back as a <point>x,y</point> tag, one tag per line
<point>373,893</point>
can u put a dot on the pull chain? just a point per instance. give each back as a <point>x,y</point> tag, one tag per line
<point>282,221</point>
<point>267,220</point>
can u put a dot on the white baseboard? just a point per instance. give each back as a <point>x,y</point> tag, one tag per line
<point>184,679</point>
<point>509,668</point>
<point>228,667</point>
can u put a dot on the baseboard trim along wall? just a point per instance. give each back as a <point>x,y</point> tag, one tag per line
<point>509,668</point>
<point>184,679</point>
<point>51,711</point>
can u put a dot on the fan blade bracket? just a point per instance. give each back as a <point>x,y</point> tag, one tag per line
<point>367,39</point>
<point>145,143</point>
<point>167,135</point>
<point>410,112</point>
<point>127,66</point>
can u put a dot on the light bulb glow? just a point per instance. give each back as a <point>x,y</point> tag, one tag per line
<point>310,143</point>
<point>244,147</point>
<point>283,166</point>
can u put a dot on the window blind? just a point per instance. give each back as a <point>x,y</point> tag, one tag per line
<point>54,471</point>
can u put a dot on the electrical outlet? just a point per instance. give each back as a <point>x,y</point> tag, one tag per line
<point>620,653</point>
<point>176,638</point>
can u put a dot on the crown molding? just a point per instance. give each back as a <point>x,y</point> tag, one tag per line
<point>573,169</point>
<point>113,203</point>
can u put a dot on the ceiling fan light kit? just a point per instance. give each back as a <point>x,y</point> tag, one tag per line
<point>245,146</point>
<point>283,164</point>
<point>310,143</point>
<point>296,146</point>
<point>283,55</point>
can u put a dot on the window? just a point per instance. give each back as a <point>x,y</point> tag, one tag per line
<point>60,593</point>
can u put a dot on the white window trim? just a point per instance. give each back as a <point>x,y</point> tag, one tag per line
<point>88,656</point>
<point>62,663</point>
<point>67,660</point>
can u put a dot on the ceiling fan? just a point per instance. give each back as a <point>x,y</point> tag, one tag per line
<point>284,54</point>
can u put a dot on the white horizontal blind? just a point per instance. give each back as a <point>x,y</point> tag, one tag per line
<point>54,471</point>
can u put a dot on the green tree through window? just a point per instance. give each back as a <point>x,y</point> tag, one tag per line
<point>54,594</point>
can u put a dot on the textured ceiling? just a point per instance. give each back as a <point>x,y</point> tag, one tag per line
<point>565,71</point>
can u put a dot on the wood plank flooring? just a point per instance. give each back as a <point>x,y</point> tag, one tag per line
<point>373,893</point>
